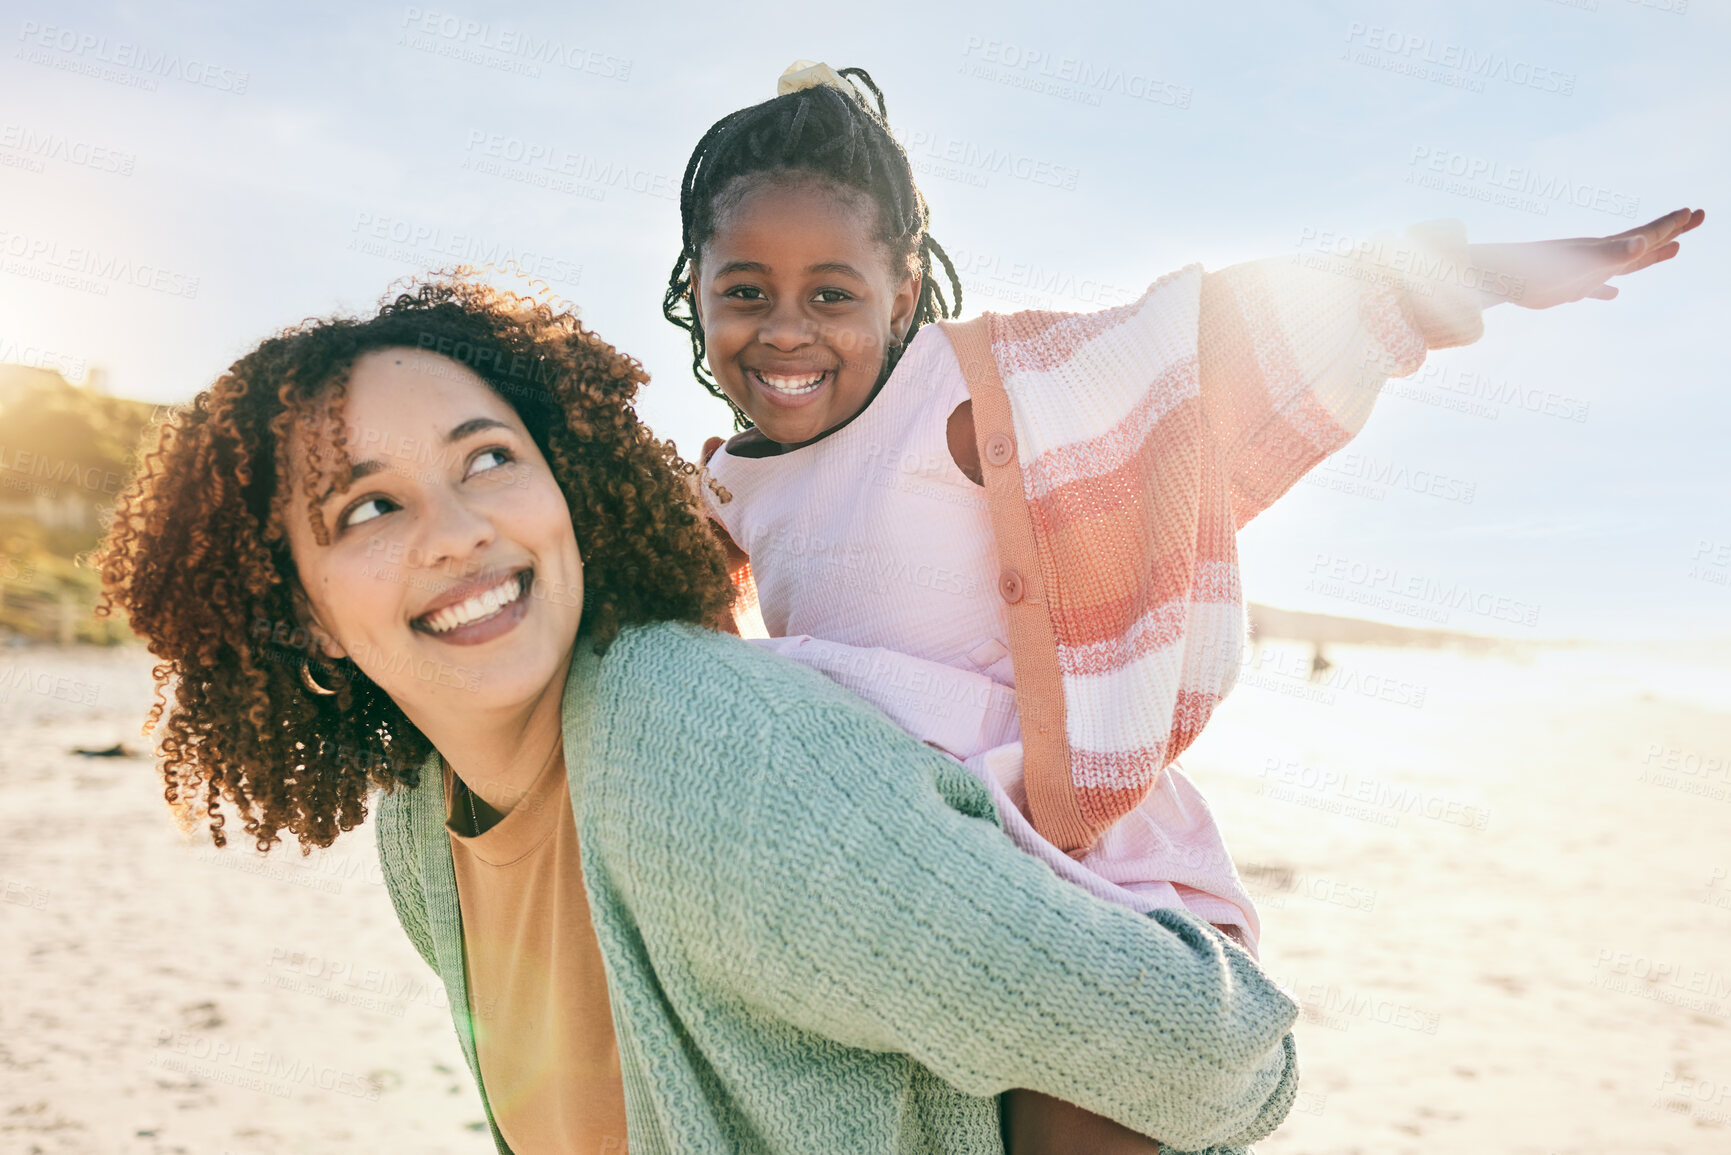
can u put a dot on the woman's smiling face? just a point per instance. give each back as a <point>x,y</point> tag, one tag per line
<point>451,574</point>
<point>799,305</point>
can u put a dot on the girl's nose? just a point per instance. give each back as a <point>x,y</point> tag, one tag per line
<point>786,328</point>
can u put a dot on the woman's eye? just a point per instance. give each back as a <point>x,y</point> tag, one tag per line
<point>499,456</point>
<point>366,510</point>
<point>833,296</point>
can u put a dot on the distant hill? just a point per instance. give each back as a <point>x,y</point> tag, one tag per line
<point>65,455</point>
<point>1269,623</point>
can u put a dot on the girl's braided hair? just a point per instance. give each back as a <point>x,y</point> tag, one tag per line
<point>817,132</point>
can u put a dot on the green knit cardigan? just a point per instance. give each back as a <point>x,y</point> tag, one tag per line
<point>817,938</point>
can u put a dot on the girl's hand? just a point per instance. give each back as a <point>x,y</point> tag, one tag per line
<point>1540,274</point>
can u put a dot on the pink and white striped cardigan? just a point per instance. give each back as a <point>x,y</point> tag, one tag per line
<point>1122,451</point>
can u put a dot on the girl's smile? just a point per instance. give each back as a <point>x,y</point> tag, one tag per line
<point>799,305</point>
<point>789,387</point>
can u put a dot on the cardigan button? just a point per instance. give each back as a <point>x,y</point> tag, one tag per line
<point>1010,586</point>
<point>999,449</point>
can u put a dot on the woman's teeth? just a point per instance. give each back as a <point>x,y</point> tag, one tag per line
<point>792,386</point>
<point>482,605</point>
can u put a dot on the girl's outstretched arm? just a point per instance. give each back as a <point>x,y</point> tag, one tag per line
<point>1294,351</point>
<point>1539,274</point>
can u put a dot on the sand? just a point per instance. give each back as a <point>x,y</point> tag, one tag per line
<point>1499,883</point>
<point>164,996</point>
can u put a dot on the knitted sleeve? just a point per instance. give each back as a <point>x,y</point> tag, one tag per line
<point>857,887</point>
<point>400,862</point>
<point>1293,351</point>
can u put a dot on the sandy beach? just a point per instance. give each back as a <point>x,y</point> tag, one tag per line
<point>1499,883</point>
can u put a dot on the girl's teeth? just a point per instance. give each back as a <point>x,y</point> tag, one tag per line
<point>793,385</point>
<point>482,605</point>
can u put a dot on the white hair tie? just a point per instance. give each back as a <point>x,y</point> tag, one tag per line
<point>803,74</point>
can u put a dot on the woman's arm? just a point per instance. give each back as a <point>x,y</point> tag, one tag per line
<point>400,860</point>
<point>858,888</point>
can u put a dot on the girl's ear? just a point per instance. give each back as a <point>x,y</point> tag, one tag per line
<point>907,298</point>
<point>696,293</point>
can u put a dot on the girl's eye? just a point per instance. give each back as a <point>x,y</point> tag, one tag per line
<point>503,458</point>
<point>833,296</point>
<point>365,510</point>
<point>745,293</point>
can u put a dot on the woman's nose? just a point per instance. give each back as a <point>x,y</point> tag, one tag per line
<point>455,532</point>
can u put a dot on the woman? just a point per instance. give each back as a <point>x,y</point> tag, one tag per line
<point>663,875</point>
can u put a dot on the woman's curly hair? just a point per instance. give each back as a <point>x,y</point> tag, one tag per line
<point>198,558</point>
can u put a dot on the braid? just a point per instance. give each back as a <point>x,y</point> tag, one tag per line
<point>823,132</point>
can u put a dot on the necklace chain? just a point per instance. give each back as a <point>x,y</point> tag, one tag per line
<point>469,797</point>
<point>474,823</point>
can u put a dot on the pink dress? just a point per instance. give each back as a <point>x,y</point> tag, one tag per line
<point>874,564</point>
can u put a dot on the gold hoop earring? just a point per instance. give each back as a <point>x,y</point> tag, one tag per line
<point>307,678</point>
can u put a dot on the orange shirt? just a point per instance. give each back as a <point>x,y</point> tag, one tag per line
<point>537,990</point>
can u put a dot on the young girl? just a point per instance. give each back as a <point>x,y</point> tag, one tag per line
<point>1016,535</point>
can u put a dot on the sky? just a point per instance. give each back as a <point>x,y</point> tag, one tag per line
<point>177,181</point>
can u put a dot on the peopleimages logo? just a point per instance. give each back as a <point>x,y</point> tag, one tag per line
<point>86,52</point>
<point>1397,261</point>
<point>56,472</point>
<point>40,146</point>
<point>1036,286</point>
<point>1414,595</point>
<point>1066,77</point>
<point>1367,475</point>
<point>1478,392</point>
<point>86,268</point>
<point>502,46</point>
<point>973,163</point>
<point>424,242</point>
<point>254,1068</point>
<point>1353,795</point>
<point>1428,165</point>
<point>68,365</point>
<point>1428,58</point>
<point>548,165</point>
